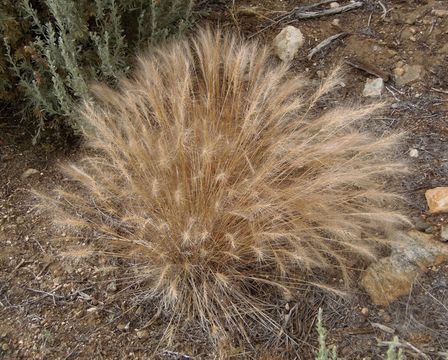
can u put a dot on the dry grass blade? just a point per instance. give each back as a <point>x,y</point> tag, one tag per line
<point>219,182</point>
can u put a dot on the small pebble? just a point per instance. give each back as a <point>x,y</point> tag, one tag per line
<point>141,334</point>
<point>111,287</point>
<point>334,5</point>
<point>336,22</point>
<point>385,316</point>
<point>444,232</point>
<point>20,220</point>
<point>420,224</point>
<point>5,347</point>
<point>399,71</point>
<point>123,327</point>
<point>429,230</point>
<point>413,153</point>
<point>365,312</point>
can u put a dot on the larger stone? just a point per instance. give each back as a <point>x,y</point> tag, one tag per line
<point>288,42</point>
<point>408,74</point>
<point>437,199</point>
<point>392,277</point>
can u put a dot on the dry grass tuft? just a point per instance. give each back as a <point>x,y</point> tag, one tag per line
<point>217,178</point>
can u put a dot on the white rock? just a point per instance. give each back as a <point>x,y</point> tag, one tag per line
<point>413,153</point>
<point>334,4</point>
<point>373,87</point>
<point>111,287</point>
<point>288,42</point>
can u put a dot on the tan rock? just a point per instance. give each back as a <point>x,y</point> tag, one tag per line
<point>408,74</point>
<point>392,277</point>
<point>437,199</point>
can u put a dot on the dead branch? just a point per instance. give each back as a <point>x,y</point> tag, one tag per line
<point>440,91</point>
<point>325,43</point>
<point>368,69</point>
<point>303,12</point>
<point>383,327</point>
<point>300,14</point>
<point>385,11</point>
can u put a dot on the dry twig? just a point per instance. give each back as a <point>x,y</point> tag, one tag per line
<point>300,14</point>
<point>383,327</point>
<point>385,11</point>
<point>325,43</point>
<point>368,69</point>
<point>440,91</point>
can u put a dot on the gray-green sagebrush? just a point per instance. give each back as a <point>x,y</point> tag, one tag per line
<point>74,43</point>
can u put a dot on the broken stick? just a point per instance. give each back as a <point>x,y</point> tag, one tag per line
<point>369,69</point>
<point>325,43</point>
<point>300,14</point>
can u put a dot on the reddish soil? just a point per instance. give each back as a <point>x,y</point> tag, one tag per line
<point>58,309</point>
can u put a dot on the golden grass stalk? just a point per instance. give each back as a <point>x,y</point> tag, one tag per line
<point>216,174</point>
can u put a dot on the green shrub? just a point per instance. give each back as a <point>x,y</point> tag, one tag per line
<point>325,354</point>
<point>57,47</point>
<point>14,29</point>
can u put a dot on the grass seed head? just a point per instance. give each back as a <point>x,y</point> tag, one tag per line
<point>217,177</point>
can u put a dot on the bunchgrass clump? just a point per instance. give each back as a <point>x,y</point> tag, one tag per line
<point>217,178</point>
